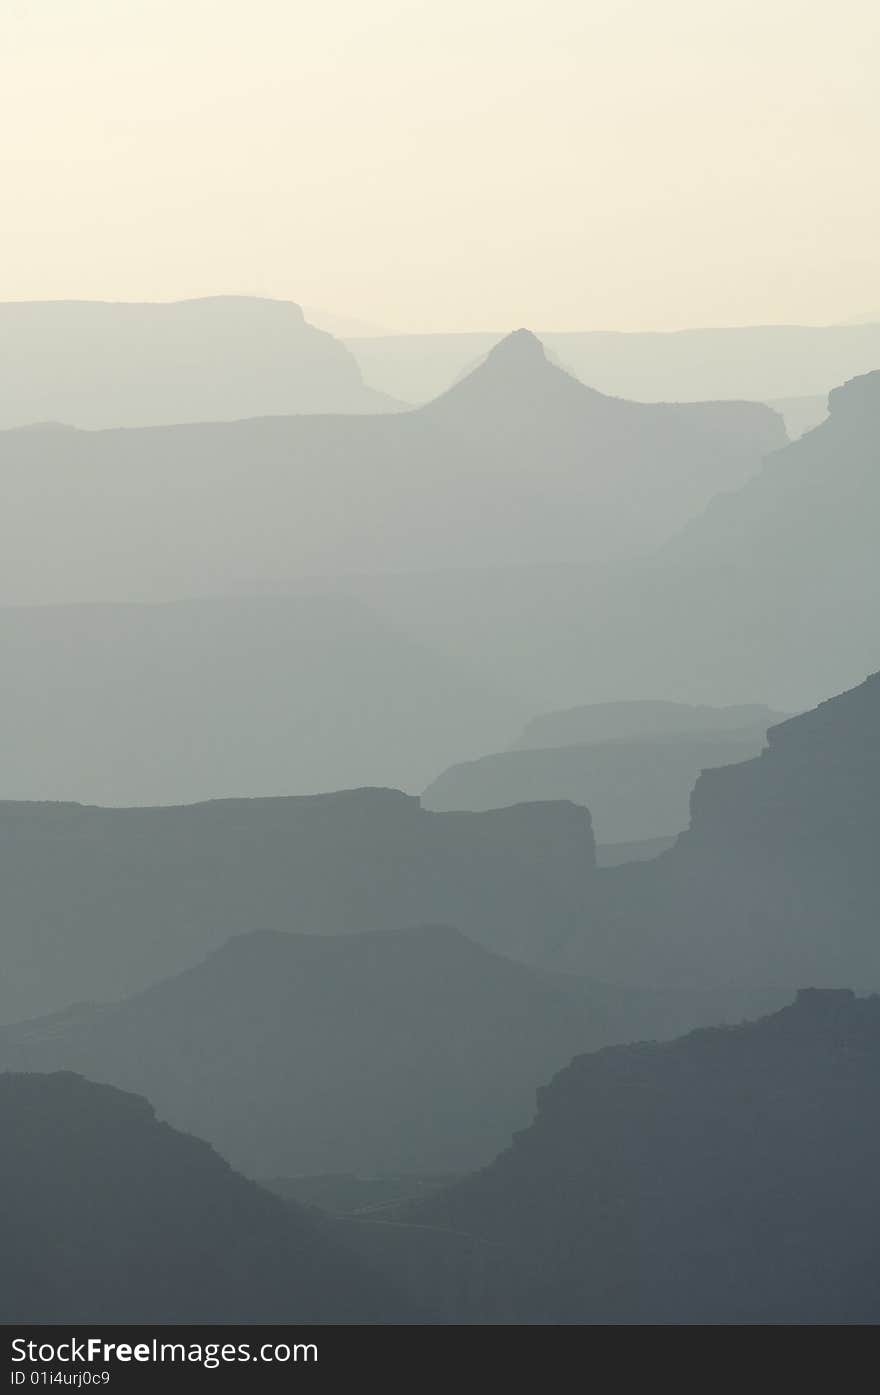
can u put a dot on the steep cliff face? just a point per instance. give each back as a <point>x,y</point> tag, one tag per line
<point>95,903</point>
<point>818,781</point>
<point>635,790</point>
<point>777,878</point>
<point>728,1176</point>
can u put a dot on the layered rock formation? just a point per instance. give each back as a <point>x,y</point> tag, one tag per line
<point>773,592</point>
<point>519,464</point>
<point>413,1051</point>
<point>635,790</point>
<point>95,903</point>
<point>775,881</point>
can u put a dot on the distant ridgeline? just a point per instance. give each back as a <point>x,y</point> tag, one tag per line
<point>96,902</point>
<point>632,764</point>
<point>774,882</point>
<point>370,985</point>
<point>728,1176</point>
<point>518,464</point>
<point>104,364</point>
<point>760,363</point>
<point>772,590</point>
<point>386,1052</point>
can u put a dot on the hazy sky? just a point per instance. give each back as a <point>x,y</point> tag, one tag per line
<point>448,164</point>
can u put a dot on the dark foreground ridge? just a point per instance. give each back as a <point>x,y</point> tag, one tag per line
<point>729,1176</point>
<point>110,1216</point>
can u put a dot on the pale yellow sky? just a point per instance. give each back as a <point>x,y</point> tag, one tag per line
<point>449,164</point>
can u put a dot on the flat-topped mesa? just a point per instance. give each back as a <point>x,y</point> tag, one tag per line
<point>126,896</point>
<point>100,364</point>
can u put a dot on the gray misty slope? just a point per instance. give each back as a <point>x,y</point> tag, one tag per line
<point>379,1053</point>
<point>519,463</point>
<point>439,728</point>
<point>562,615</point>
<point>270,695</point>
<point>763,363</point>
<point>772,593</point>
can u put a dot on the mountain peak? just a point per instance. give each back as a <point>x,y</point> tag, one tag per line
<point>519,347</point>
<point>514,379</point>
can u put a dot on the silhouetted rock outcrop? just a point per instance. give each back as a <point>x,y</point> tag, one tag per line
<point>730,1176</point>
<point>777,879</point>
<point>635,790</point>
<point>110,1216</point>
<point>95,903</point>
<point>412,1051</point>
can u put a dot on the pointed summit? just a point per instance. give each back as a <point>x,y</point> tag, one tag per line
<point>513,382</point>
<point>519,347</point>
